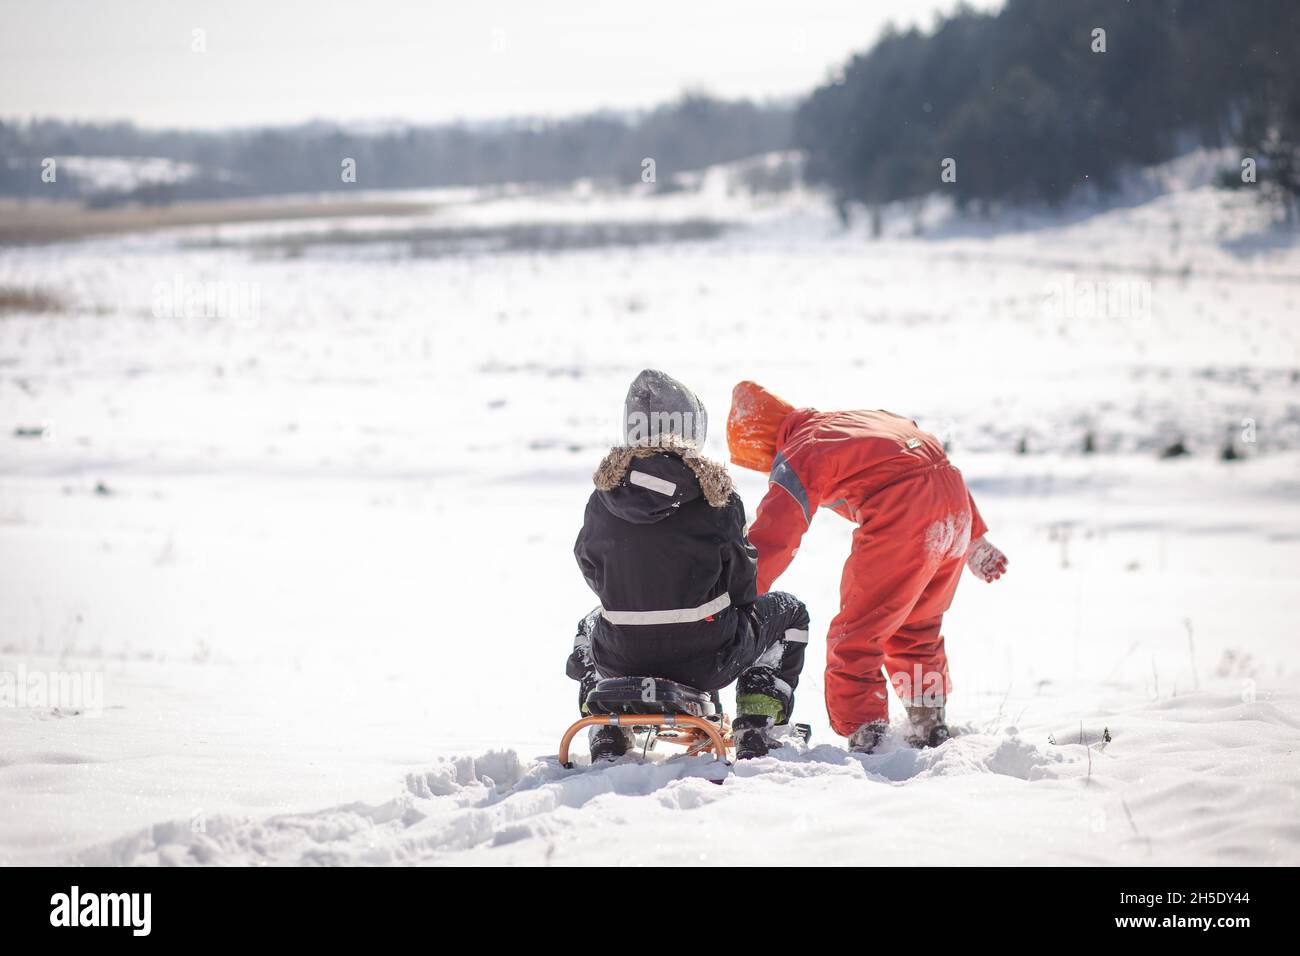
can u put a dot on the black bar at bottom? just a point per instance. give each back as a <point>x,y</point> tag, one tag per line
<point>300,905</point>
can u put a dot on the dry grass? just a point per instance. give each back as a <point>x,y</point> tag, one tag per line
<point>20,299</point>
<point>28,222</point>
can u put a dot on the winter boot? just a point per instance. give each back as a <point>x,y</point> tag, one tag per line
<point>760,691</point>
<point>750,734</point>
<point>867,737</point>
<point>608,742</point>
<point>762,702</point>
<point>928,727</point>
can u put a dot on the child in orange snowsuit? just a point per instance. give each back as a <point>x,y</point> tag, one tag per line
<point>917,525</point>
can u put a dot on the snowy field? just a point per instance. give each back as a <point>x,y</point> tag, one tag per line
<point>309,558</point>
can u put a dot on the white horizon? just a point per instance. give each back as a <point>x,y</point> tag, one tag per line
<point>390,62</point>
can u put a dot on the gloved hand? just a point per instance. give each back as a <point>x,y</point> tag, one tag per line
<point>985,561</point>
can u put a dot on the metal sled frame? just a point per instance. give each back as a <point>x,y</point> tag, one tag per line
<point>696,734</point>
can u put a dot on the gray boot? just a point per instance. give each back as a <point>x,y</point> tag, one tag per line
<point>752,736</point>
<point>609,743</point>
<point>928,727</point>
<point>867,737</point>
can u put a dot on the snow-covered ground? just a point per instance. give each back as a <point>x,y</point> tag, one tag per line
<point>301,533</point>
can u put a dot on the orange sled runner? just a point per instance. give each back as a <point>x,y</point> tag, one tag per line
<point>670,712</point>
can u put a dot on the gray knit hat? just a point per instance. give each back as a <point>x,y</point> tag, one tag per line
<point>657,405</point>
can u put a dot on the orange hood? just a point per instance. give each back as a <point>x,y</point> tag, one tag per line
<point>756,416</point>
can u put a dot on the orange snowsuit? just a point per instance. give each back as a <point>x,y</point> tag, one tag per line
<point>915,522</point>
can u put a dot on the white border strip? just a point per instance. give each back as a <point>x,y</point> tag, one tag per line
<point>652,482</point>
<point>683,615</point>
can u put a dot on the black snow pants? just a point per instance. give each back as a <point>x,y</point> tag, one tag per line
<point>765,659</point>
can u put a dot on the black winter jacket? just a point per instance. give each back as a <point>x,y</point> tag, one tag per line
<point>663,546</point>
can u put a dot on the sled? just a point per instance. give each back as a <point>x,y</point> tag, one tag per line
<point>673,713</point>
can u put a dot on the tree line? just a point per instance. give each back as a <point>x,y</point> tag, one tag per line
<point>1039,102</point>
<point>1042,100</point>
<point>694,131</point>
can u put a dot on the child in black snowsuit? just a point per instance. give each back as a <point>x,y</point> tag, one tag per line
<point>663,546</point>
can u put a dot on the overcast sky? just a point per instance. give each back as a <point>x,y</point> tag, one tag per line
<point>272,61</point>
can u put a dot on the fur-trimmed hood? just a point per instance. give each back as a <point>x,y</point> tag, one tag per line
<point>715,482</point>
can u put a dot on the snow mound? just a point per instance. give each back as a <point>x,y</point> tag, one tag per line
<point>1203,776</point>
<point>465,803</point>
